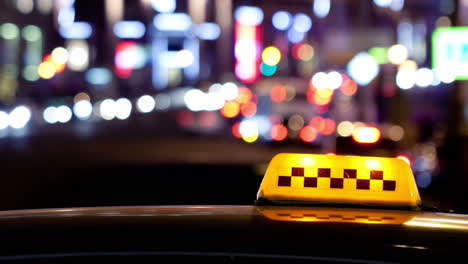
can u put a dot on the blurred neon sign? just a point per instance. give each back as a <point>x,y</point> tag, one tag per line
<point>450,51</point>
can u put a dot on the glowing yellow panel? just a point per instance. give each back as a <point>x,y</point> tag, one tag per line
<point>312,178</point>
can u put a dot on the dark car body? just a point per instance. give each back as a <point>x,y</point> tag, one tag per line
<point>231,234</point>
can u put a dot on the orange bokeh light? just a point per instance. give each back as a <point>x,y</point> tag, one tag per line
<point>329,127</point>
<point>349,87</point>
<point>249,109</point>
<point>366,134</point>
<point>279,132</point>
<point>245,95</point>
<point>278,93</point>
<point>231,109</point>
<point>308,134</point>
<point>318,122</point>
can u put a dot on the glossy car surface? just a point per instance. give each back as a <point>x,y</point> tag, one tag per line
<point>231,234</point>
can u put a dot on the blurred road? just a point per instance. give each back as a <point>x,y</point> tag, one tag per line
<point>120,167</point>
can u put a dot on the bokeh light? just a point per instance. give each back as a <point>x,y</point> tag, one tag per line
<point>145,104</point>
<point>308,134</point>
<point>249,131</point>
<point>345,128</point>
<point>279,132</point>
<point>397,54</point>
<point>231,109</point>
<point>366,134</point>
<point>271,55</point>
<point>278,93</point>
<point>281,20</point>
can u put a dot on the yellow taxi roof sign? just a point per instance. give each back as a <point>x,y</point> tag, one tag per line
<point>293,178</point>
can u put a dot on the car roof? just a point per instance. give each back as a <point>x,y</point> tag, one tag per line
<point>346,233</point>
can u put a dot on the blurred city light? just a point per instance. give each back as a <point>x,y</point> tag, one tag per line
<point>19,117</point>
<point>295,36</point>
<point>302,23</point>
<point>406,79</point>
<point>162,101</point>
<point>397,5</point>
<point>129,29</point>
<point>383,3</point>
<point>366,134</point>
<point>76,30</point>
<point>98,76</point>
<point>396,133</point>
<point>83,109</point>
<point>9,31</point>
<point>31,33</point>
<point>172,22</point>
<point>208,31</point>
<point>308,134</point>
<point>363,68</point>
<point>195,99</point>
<point>282,20</point>
<point>279,132</point>
<point>303,51</point>
<point>278,93</point>
<point>268,70</point>
<point>249,130</point>
<point>271,56</point>
<point>124,108</point>
<point>249,15</point>
<point>397,54</point>
<point>345,129</point>
<point>60,55</point>
<point>231,109</point>
<point>322,8</point>
<point>164,6</point>
<point>78,55</point>
<point>424,77</point>
<point>46,70</point>
<point>63,114</point>
<point>409,65</point>
<point>25,6</point>
<point>229,91</point>
<point>108,109</point>
<point>49,114</point>
<point>145,104</point>
<point>379,54</point>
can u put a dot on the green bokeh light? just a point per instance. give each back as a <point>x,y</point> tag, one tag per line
<point>268,70</point>
<point>379,54</point>
<point>9,31</point>
<point>31,33</point>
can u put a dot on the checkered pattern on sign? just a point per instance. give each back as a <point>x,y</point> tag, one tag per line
<point>348,175</point>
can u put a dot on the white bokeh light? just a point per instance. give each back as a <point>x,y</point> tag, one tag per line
<point>83,109</point>
<point>124,108</point>
<point>281,20</point>
<point>63,113</point>
<point>108,109</point>
<point>19,117</point>
<point>405,79</point>
<point>195,100</point>
<point>49,114</point>
<point>145,104</point>
<point>363,68</point>
<point>424,77</point>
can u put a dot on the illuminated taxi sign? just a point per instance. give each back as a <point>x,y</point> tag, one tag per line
<point>311,178</point>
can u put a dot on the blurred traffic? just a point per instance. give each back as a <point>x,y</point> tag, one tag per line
<point>185,80</point>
